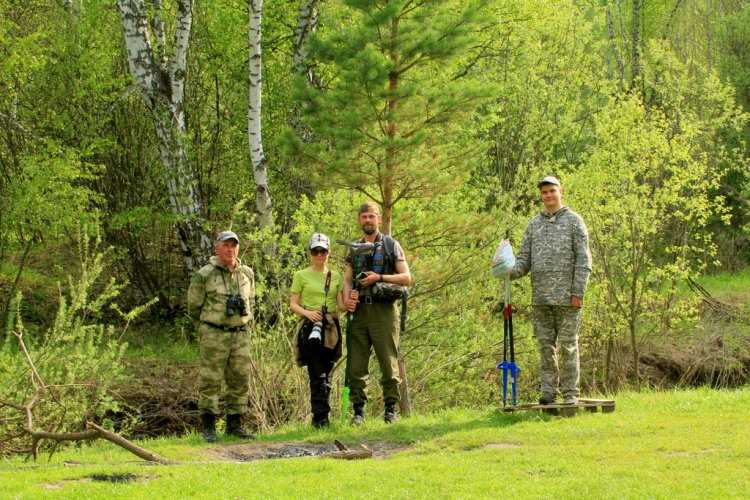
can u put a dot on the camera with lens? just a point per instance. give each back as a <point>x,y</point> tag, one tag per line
<point>316,333</point>
<point>236,305</point>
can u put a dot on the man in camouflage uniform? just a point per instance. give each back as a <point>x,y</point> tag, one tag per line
<point>555,249</point>
<point>220,299</point>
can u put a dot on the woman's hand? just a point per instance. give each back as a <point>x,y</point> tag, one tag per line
<point>314,316</point>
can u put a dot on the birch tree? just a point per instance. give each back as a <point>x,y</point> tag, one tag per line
<point>161,80</point>
<point>307,24</point>
<point>307,21</point>
<point>263,204</point>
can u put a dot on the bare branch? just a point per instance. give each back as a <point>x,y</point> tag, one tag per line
<point>34,372</point>
<point>124,443</point>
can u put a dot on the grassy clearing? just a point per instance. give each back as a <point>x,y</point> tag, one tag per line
<point>161,342</point>
<point>662,444</point>
<point>732,288</point>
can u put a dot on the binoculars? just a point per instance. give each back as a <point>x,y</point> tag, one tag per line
<point>236,305</point>
<point>358,248</point>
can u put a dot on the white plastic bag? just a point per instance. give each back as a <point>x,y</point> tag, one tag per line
<point>503,260</point>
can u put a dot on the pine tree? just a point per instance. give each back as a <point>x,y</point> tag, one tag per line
<point>385,119</point>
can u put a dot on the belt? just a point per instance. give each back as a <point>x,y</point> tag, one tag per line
<point>227,328</point>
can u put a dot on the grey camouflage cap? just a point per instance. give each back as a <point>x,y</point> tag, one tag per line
<point>319,240</point>
<point>549,179</point>
<point>227,235</point>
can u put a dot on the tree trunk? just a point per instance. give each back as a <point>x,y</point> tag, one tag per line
<point>632,322</point>
<point>391,162</point>
<point>615,48</point>
<point>635,47</point>
<point>162,84</point>
<point>307,23</point>
<point>263,204</point>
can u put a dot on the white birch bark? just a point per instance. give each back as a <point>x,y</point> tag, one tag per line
<point>307,23</point>
<point>162,88</point>
<point>263,205</point>
<point>158,27</point>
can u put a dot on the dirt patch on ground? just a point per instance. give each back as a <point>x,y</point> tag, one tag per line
<point>261,451</point>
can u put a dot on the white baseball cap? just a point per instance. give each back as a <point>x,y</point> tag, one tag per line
<point>550,179</point>
<point>319,240</point>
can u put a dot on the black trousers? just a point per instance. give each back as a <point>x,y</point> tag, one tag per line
<point>319,362</point>
<point>319,369</point>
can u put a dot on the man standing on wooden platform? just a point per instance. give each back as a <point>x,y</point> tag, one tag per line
<point>555,250</point>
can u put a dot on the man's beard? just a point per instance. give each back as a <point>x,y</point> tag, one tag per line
<point>369,229</point>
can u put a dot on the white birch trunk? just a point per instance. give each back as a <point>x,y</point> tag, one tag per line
<point>307,23</point>
<point>162,87</point>
<point>263,204</point>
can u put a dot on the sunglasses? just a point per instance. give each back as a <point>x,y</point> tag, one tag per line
<point>318,251</point>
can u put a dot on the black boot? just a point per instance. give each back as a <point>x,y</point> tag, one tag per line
<point>234,427</point>
<point>390,415</point>
<point>320,421</point>
<point>208,420</point>
<point>359,414</point>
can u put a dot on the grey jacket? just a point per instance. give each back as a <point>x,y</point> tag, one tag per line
<point>555,248</point>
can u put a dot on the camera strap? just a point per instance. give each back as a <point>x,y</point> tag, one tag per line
<point>326,287</point>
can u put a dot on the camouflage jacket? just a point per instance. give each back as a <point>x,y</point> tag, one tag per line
<point>211,285</point>
<point>555,248</point>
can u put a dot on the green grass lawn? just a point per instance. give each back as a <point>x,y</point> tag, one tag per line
<point>657,445</point>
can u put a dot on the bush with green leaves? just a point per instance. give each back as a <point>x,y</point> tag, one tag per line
<point>69,369</point>
<point>645,193</point>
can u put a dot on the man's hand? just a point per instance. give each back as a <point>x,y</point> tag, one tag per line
<point>576,302</point>
<point>314,316</point>
<point>351,301</point>
<point>370,278</point>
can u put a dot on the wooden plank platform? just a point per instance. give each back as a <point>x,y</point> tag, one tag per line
<point>590,405</point>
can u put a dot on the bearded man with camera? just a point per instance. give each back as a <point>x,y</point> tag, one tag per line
<point>220,299</point>
<point>372,281</point>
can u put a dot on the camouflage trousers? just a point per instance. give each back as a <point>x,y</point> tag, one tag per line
<point>556,330</point>
<point>225,360</point>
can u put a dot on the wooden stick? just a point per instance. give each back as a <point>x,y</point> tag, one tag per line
<point>124,443</point>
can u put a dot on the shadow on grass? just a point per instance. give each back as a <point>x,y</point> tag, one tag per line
<point>407,431</point>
